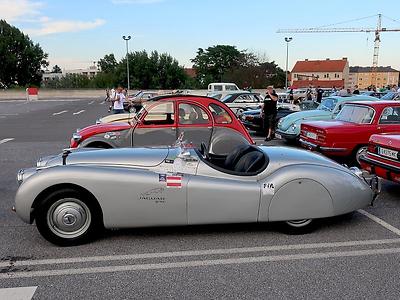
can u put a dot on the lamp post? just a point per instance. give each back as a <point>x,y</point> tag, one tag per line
<point>126,39</point>
<point>287,40</point>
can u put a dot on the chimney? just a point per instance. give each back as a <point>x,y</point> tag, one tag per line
<point>344,58</point>
<point>306,59</point>
<point>327,59</point>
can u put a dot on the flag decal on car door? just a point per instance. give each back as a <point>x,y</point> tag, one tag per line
<point>174,181</point>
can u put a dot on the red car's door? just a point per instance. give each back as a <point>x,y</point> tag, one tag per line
<point>195,122</point>
<point>157,127</point>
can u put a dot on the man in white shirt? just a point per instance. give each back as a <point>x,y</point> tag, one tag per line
<point>118,102</point>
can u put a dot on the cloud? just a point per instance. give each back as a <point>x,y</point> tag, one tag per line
<point>136,1</point>
<point>51,27</point>
<point>19,10</point>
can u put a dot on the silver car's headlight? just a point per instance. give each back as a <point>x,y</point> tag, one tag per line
<point>20,176</point>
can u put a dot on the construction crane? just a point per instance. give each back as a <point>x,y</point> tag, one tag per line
<point>377,40</point>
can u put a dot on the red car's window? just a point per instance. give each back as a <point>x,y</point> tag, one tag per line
<point>161,114</point>
<point>192,114</point>
<point>220,115</point>
<point>390,115</point>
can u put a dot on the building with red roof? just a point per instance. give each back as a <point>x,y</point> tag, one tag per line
<point>326,73</point>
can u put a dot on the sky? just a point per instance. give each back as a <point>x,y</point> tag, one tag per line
<point>77,33</point>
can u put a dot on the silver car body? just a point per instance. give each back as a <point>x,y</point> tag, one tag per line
<point>131,188</point>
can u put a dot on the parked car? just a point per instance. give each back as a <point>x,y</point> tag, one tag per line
<point>74,195</point>
<point>241,101</point>
<point>383,156</point>
<point>159,123</point>
<point>349,133</point>
<point>253,120</point>
<point>289,126</point>
<point>391,96</point>
<point>378,95</point>
<point>134,103</point>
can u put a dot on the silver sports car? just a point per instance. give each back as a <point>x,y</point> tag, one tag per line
<point>74,195</point>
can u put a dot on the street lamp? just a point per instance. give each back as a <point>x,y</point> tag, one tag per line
<point>126,39</point>
<point>287,40</point>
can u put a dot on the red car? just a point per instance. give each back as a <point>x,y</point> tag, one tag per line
<point>349,133</point>
<point>159,123</point>
<point>383,156</point>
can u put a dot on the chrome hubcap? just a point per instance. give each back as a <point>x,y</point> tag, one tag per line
<point>360,152</point>
<point>299,223</point>
<point>69,218</point>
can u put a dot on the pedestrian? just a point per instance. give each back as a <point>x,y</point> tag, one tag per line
<point>118,102</point>
<point>111,99</point>
<point>291,96</point>
<point>309,94</point>
<point>269,111</point>
<point>356,90</point>
<point>320,93</point>
<point>343,92</point>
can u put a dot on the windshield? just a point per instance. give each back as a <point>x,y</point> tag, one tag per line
<point>328,104</point>
<point>226,98</point>
<point>358,114</point>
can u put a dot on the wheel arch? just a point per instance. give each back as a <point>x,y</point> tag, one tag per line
<point>51,189</point>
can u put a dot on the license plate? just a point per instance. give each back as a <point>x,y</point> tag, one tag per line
<point>388,153</point>
<point>311,135</point>
<point>278,136</point>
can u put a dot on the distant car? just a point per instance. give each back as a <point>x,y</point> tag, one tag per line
<point>391,96</point>
<point>135,102</point>
<point>159,123</point>
<point>383,156</point>
<point>73,196</point>
<point>241,101</point>
<point>252,119</point>
<point>378,95</point>
<point>349,133</point>
<point>221,88</point>
<point>289,126</point>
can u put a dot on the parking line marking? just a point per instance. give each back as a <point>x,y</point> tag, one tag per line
<point>200,263</point>
<point>18,293</point>
<point>78,112</point>
<point>60,112</point>
<point>91,102</point>
<point>380,221</point>
<point>6,140</point>
<point>108,258</point>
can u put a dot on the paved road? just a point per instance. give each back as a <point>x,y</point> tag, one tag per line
<point>353,256</point>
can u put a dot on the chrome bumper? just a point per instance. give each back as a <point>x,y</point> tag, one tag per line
<point>313,146</point>
<point>374,182</point>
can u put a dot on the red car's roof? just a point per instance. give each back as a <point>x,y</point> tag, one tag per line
<point>379,103</point>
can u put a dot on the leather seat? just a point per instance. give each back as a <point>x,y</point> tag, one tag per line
<point>250,163</point>
<point>233,157</point>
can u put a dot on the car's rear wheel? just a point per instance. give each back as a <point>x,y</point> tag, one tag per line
<point>299,226</point>
<point>68,217</point>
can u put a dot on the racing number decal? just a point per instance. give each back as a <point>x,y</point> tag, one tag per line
<point>269,188</point>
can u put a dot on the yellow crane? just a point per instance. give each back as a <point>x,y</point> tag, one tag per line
<point>376,30</point>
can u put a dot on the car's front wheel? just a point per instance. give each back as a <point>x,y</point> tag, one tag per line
<point>68,217</point>
<point>360,152</point>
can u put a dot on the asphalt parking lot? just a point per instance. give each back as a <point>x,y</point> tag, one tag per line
<point>352,256</point>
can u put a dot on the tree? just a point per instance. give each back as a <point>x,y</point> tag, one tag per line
<point>212,63</point>
<point>154,71</point>
<point>108,63</point>
<point>21,60</point>
<point>56,69</point>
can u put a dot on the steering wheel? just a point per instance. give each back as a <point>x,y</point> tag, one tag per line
<point>204,151</point>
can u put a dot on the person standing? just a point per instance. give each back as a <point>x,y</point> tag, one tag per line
<point>118,102</point>
<point>112,94</point>
<point>320,93</point>
<point>269,111</point>
<point>356,90</point>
